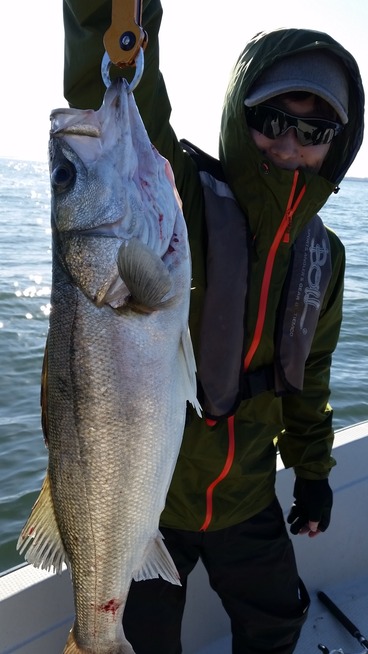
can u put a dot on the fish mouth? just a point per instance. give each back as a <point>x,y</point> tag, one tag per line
<point>69,122</point>
<point>77,130</point>
<point>104,230</point>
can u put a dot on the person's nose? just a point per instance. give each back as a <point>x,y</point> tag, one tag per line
<point>287,145</point>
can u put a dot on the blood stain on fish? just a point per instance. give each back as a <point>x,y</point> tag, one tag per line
<point>112,606</point>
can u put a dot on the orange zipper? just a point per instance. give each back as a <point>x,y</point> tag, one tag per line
<point>281,234</point>
<point>222,475</point>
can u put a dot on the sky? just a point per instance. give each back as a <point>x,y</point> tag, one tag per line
<point>200,42</point>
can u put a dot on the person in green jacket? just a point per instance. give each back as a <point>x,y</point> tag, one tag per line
<point>265,316</point>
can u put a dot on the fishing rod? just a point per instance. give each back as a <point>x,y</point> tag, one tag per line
<point>345,621</point>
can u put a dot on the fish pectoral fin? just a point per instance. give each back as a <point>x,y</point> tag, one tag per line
<point>145,275</point>
<point>40,539</point>
<point>158,563</point>
<point>189,371</point>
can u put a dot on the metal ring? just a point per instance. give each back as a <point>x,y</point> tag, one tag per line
<point>139,68</point>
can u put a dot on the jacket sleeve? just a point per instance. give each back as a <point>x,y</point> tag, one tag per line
<point>307,439</point>
<point>85,24</point>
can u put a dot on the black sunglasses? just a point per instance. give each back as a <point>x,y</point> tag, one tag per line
<point>273,122</point>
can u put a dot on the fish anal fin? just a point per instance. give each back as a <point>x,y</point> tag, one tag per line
<point>189,371</point>
<point>158,563</point>
<point>40,539</point>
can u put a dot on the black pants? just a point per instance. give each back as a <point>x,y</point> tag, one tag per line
<point>252,568</point>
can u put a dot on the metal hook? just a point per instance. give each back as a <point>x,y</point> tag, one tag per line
<point>139,67</point>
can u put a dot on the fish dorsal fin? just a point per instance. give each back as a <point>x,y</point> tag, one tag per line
<point>157,563</point>
<point>40,540</point>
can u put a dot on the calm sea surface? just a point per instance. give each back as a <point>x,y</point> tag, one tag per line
<point>25,278</point>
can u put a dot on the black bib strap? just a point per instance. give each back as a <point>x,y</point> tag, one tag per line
<point>257,382</point>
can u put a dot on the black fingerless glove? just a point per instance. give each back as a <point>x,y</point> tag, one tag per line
<point>313,501</point>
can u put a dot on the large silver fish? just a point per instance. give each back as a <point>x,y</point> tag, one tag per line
<point>119,366</point>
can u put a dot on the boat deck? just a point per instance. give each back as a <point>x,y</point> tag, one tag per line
<point>36,607</point>
<point>321,627</point>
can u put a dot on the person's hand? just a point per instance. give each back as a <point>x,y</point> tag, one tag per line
<point>311,511</point>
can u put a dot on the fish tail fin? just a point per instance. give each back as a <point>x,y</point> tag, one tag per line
<point>72,647</point>
<point>189,370</point>
<point>158,563</point>
<point>40,538</point>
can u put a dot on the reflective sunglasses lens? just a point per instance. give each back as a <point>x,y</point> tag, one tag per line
<point>272,122</point>
<point>310,134</point>
<point>274,125</point>
<point>266,120</point>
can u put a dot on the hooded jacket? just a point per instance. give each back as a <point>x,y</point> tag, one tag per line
<point>226,469</point>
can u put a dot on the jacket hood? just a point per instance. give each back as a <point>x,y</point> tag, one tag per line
<point>241,160</point>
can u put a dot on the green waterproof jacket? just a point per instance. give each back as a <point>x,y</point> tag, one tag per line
<point>226,472</point>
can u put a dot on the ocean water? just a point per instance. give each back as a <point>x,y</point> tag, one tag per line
<point>25,279</point>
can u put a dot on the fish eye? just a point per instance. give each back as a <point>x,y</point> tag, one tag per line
<point>63,176</point>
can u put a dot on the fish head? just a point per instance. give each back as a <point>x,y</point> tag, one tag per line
<point>91,157</point>
<point>109,186</point>
<point>107,176</point>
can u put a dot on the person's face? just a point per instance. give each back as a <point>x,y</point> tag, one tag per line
<point>285,151</point>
